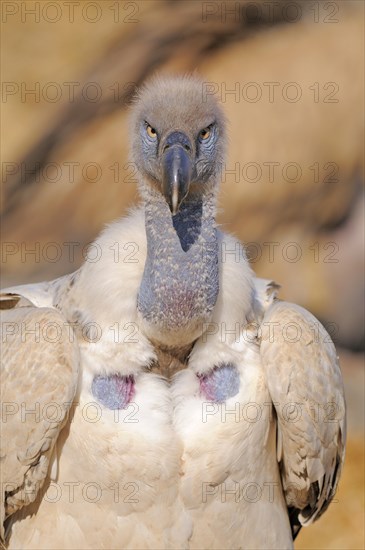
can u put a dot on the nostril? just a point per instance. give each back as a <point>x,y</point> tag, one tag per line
<point>167,146</point>
<point>187,148</point>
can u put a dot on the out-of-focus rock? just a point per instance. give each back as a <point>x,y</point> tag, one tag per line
<point>292,184</point>
<point>294,191</point>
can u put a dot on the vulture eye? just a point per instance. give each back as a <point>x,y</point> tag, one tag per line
<point>205,133</point>
<point>151,132</point>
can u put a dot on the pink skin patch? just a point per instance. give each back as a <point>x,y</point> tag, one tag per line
<point>114,391</point>
<point>221,383</point>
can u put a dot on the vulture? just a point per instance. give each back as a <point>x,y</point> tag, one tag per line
<point>162,396</point>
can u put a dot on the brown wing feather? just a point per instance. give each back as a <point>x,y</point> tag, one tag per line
<point>305,385</point>
<point>39,374</point>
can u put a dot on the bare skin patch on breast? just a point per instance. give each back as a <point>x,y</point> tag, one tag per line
<point>114,392</point>
<point>221,383</point>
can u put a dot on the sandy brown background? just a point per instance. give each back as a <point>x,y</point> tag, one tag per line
<point>291,79</point>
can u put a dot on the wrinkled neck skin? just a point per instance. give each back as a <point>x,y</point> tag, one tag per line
<point>180,282</point>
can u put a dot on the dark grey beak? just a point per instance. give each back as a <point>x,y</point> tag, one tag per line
<point>177,168</point>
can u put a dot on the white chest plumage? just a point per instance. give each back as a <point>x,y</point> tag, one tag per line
<point>173,459</point>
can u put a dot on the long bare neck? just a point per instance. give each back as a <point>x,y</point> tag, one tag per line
<point>180,282</point>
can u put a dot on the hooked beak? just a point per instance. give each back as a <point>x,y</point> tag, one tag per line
<point>177,169</point>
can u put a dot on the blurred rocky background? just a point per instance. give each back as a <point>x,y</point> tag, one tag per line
<point>290,76</point>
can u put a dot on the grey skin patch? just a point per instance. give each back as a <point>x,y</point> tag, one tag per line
<point>221,383</point>
<point>114,392</point>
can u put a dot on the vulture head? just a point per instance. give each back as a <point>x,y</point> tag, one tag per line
<point>178,139</point>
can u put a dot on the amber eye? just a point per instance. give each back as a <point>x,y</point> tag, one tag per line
<point>205,133</point>
<point>151,132</point>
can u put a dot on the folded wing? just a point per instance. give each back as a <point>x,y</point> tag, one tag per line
<point>305,384</point>
<point>39,376</point>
